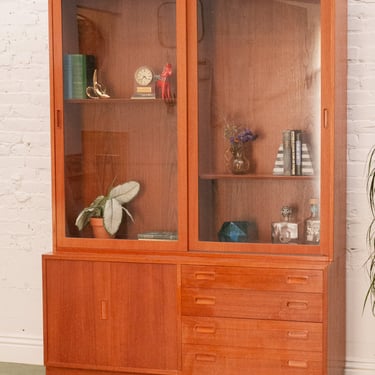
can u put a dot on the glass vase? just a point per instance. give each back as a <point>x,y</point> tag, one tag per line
<point>237,162</point>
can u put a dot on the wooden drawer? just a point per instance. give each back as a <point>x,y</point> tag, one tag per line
<point>248,333</point>
<point>270,279</point>
<point>204,360</point>
<point>239,303</point>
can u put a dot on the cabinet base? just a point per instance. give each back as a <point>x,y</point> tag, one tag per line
<point>73,371</point>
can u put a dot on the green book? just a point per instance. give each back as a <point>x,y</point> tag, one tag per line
<point>78,73</point>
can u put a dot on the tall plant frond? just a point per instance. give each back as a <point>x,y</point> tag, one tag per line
<point>371,180</point>
<point>370,237</point>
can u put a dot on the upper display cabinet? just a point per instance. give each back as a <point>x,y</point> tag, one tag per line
<point>119,116</point>
<point>261,96</point>
<point>208,125</point>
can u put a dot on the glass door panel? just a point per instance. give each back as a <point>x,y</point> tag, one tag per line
<point>120,117</point>
<point>259,99</point>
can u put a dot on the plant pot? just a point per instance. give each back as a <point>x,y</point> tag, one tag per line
<point>97,224</point>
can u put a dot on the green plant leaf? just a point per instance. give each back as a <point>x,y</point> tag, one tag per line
<point>128,213</point>
<point>94,210</point>
<point>112,215</point>
<point>84,217</point>
<point>370,189</point>
<point>124,193</point>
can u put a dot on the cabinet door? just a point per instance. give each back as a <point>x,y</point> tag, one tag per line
<point>260,95</point>
<point>110,315</point>
<point>117,117</point>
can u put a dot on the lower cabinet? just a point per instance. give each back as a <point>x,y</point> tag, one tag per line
<point>239,320</point>
<point>107,317</point>
<point>110,316</point>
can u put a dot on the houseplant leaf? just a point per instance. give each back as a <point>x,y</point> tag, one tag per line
<point>125,192</point>
<point>112,215</point>
<point>94,210</point>
<point>83,218</point>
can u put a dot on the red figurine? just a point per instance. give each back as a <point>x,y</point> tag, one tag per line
<point>163,81</point>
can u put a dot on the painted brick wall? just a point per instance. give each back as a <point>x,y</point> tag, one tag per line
<point>25,199</point>
<point>25,178</point>
<point>361,137</point>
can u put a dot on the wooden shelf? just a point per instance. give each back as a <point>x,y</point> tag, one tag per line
<point>252,176</point>
<point>113,101</point>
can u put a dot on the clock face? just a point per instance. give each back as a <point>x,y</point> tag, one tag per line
<point>143,76</point>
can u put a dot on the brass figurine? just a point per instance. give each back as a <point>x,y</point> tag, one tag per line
<point>97,90</point>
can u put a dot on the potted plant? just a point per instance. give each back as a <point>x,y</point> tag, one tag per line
<point>109,208</point>
<point>370,188</point>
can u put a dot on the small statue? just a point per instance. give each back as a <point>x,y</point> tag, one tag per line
<point>97,90</point>
<point>163,82</point>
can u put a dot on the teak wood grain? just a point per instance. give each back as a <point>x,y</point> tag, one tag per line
<point>251,333</point>
<point>95,316</point>
<point>265,279</point>
<point>197,306</point>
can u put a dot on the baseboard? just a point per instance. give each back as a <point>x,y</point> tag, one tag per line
<point>356,367</point>
<point>19,349</point>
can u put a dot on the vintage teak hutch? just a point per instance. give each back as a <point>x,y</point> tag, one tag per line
<point>230,118</point>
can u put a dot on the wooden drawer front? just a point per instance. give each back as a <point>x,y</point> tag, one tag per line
<point>203,360</point>
<point>274,279</point>
<point>250,333</point>
<point>305,307</point>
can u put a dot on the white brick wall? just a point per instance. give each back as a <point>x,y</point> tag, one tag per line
<point>25,177</point>
<point>25,198</point>
<point>361,137</point>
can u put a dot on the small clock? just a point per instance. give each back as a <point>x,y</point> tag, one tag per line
<point>144,85</point>
<point>143,76</point>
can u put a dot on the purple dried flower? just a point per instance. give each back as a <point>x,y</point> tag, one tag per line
<point>237,135</point>
<point>246,135</point>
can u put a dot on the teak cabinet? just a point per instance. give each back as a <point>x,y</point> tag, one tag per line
<point>231,116</point>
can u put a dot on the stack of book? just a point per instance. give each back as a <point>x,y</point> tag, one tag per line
<point>293,157</point>
<point>78,75</point>
<point>158,236</point>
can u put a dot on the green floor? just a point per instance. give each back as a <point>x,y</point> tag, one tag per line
<point>19,369</point>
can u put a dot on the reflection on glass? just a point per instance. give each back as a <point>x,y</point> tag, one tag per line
<point>258,71</point>
<point>120,122</point>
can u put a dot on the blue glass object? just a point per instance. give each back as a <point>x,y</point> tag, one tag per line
<point>238,231</point>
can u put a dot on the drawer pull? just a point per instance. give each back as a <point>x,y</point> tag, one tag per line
<point>298,305</point>
<point>205,357</point>
<point>205,329</point>
<point>211,276</point>
<point>205,300</point>
<point>300,280</point>
<point>298,334</point>
<point>299,364</point>
<point>104,310</point>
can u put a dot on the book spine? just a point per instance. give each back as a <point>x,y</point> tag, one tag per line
<point>287,152</point>
<point>75,76</point>
<point>298,152</point>
<point>158,236</point>
<point>68,77</point>
<point>293,151</point>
